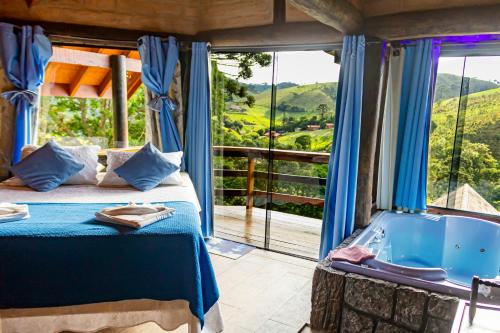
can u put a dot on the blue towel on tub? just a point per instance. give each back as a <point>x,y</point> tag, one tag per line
<point>62,256</point>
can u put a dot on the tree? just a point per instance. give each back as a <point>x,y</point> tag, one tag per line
<point>322,109</point>
<point>228,82</point>
<point>89,120</point>
<point>304,142</point>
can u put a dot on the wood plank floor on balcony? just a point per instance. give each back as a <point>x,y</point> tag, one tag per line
<point>288,232</point>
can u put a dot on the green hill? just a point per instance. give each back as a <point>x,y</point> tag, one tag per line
<point>449,85</point>
<point>307,96</point>
<point>482,121</point>
<point>480,159</point>
<point>260,87</point>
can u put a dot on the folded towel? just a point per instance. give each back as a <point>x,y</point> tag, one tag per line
<point>12,212</point>
<point>134,216</point>
<point>355,254</point>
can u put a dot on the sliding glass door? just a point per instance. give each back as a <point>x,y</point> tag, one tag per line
<point>464,160</point>
<point>306,88</point>
<point>241,113</point>
<point>273,116</point>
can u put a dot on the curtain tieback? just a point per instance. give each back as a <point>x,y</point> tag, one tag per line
<point>157,102</point>
<point>14,96</point>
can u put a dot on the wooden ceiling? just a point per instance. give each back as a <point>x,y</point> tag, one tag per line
<point>85,72</point>
<point>257,22</point>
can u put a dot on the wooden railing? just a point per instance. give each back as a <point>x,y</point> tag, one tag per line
<point>252,154</point>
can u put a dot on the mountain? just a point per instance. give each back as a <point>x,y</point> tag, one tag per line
<point>482,119</point>
<point>306,97</point>
<point>449,85</point>
<point>260,87</point>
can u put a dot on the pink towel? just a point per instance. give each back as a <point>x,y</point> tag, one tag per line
<point>355,254</point>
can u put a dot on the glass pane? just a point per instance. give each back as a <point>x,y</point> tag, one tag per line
<point>306,84</point>
<point>478,169</point>
<point>464,160</point>
<point>443,125</point>
<point>241,104</point>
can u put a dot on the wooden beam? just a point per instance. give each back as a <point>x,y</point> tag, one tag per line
<point>30,3</point>
<point>61,89</point>
<point>78,80</point>
<point>250,183</point>
<point>120,112</point>
<point>134,84</point>
<point>371,105</point>
<point>90,59</point>
<point>282,35</point>
<point>388,7</point>
<point>80,34</point>
<point>279,11</point>
<point>443,22</point>
<point>339,14</point>
<point>104,85</point>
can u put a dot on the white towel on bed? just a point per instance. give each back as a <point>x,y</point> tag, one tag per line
<point>12,212</point>
<point>135,216</point>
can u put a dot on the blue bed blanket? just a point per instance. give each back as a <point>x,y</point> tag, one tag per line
<point>62,256</point>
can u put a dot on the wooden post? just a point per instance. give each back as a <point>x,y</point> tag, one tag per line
<point>120,111</point>
<point>372,94</point>
<point>250,183</point>
<point>7,126</point>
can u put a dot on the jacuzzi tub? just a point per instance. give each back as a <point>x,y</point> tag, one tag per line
<point>439,253</point>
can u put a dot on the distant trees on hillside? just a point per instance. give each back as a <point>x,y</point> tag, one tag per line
<point>322,109</point>
<point>449,86</point>
<point>88,120</point>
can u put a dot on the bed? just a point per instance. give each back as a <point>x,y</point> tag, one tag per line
<point>63,271</point>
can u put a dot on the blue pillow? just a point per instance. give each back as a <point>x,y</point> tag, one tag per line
<point>47,167</point>
<point>146,168</point>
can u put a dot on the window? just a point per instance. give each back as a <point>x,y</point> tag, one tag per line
<point>464,157</point>
<point>76,106</point>
<point>273,116</point>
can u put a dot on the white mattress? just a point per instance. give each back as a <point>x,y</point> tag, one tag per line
<point>97,194</point>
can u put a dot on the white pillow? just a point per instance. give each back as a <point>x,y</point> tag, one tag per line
<point>87,155</point>
<point>116,158</point>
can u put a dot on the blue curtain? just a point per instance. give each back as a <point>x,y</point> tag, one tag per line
<point>198,137</point>
<point>419,73</point>
<point>159,60</point>
<point>25,53</point>
<point>340,193</point>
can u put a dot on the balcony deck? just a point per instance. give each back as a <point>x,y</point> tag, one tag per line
<point>288,232</point>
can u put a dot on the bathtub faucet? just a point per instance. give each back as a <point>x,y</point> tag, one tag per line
<point>379,234</point>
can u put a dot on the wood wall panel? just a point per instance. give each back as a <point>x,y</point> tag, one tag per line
<point>168,16</point>
<point>241,22</point>
<point>295,15</point>
<point>223,14</point>
<point>384,7</point>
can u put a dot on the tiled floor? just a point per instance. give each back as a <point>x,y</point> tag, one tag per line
<point>260,292</point>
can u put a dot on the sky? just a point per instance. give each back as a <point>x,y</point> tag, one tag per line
<point>306,67</point>
<point>301,67</point>
<point>483,68</point>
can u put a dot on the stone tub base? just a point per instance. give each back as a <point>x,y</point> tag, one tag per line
<point>346,302</point>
